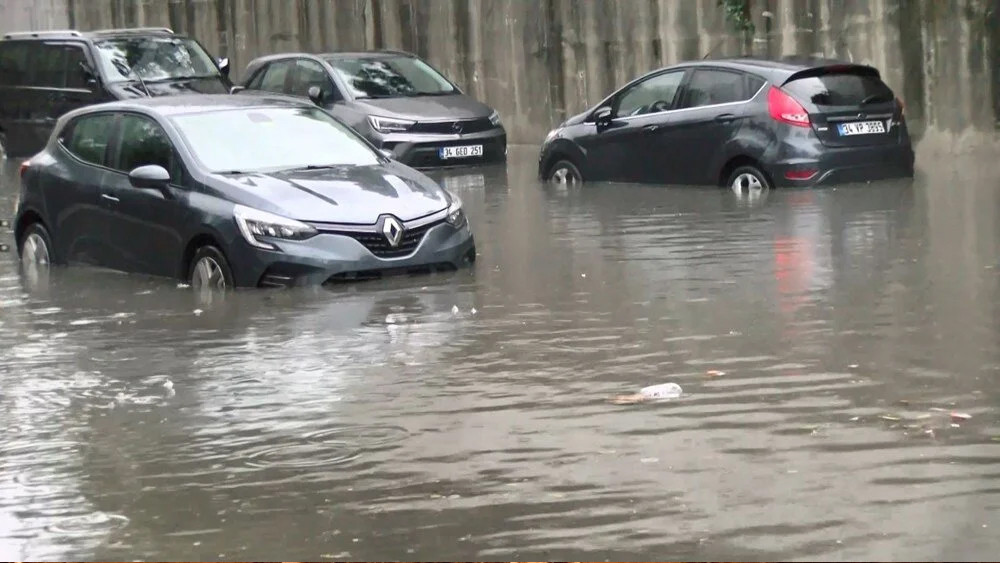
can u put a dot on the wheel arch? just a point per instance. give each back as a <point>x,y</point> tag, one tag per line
<point>27,218</point>
<point>562,150</point>
<point>205,237</point>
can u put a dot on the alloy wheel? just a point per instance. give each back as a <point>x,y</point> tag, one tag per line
<point>34,250</point>
<point>208,274</point>
<point>565,176</point>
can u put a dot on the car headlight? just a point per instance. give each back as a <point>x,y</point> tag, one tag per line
<point>495,118</point>
<point>456,217</point>
<point>258,226</point>
<point>389,125</point>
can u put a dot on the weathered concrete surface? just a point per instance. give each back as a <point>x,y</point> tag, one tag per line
<point>540,61</point>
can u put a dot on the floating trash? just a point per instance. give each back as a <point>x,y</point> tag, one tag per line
<point>661,392</point>
<point>715,373</point>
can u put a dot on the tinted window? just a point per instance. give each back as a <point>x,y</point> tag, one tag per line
<point>14,63</point>
<point>144,142</point>
<point>49,64</point>
<point>275,76</point>
<point>308,74</point>
<point>650,96</point>
<point>390,77</point>
<point>89,136</point>
<point>841,89</point>
<point>153,58</point>
<point>709,87</point>
<point>256,139</point>
<point>76,60</point>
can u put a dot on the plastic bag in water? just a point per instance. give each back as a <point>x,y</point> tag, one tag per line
<point>661,392</point>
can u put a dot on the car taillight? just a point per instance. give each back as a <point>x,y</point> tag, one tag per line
<point>785,109</point>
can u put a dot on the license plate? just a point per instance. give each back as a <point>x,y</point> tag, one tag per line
<point>861,128</point>
<point>464,182</point>
<point>460,152</point>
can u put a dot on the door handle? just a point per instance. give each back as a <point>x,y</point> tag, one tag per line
<point>725,118</point>
<point>650,128</point>
<point>110,198</point>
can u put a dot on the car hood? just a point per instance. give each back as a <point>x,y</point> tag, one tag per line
<point>452,106</point>
<point>133,89</point>
<point>343,194</point>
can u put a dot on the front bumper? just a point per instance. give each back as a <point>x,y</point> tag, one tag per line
<point>845,165</point>
<point>329,258</point>
<point>421,150</point>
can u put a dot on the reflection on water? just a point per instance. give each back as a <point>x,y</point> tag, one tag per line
<point>822,338</point>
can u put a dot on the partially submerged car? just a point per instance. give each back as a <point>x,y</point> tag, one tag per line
<point>224,191</point>
<point>394,99</point>
<point>747,123</point>
<point>44,74</point>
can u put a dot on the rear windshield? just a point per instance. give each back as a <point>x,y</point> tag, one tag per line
<point>850,88</point>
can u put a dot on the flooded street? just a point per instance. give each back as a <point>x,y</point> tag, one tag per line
<point>827,342</point>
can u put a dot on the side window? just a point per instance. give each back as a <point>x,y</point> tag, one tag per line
<point>49,65</point>
<point>652,95</point>
<point>89,136</point>
<point>144,142</point>
<point>76,60</point>
<point>274,77</point>
<point>709,87</point>
<point>14,62</point>
<point>308,74</point>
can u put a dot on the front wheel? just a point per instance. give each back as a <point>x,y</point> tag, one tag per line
<point>36,254</point>
<point>749,181</point>
<point>209,271</point>
<point>565,172</point>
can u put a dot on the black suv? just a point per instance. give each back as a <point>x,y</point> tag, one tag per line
<point>748,124</point>
<point>44,74</point>
<point>394,99</point>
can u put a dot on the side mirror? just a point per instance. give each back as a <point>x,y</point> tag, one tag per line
<point>316,95</point>
<point>89,76</point>
<point>149,177</point>
<point>224,66</point>
<point>602,116</point>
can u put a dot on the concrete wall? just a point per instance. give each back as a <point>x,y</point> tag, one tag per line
<point>539,61</point>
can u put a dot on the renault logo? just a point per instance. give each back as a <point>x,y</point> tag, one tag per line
<point>393,231</point>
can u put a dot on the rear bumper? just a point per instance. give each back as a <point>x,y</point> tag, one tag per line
<point>329,258</point>
<point>843,165</point>
<point>422,150</point>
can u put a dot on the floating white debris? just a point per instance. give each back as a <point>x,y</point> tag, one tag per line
<point>168,384</point>
<point>454,309</point>
<point>473,311</point>
<point>198,312</point>
<point>661,392</point>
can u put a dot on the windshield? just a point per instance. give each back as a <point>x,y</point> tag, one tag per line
<point>153,58</point>
<point>390,77</point>
<point>270,139</point>
<point>841,89</point>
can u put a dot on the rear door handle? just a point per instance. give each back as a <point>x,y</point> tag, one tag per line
<point>110,198</point>
<point>650,128</point>
<point>725,118</point>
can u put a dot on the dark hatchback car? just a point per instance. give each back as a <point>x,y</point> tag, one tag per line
<point>225,191</point>
<point>395,100</point>
<point>749,124</point>
<point>44,74</point>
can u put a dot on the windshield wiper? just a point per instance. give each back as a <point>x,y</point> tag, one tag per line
<point>310,167</point>
<point>875,98</point>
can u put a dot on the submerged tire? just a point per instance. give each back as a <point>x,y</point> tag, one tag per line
<point>35,246</point>
<point>564,172</point>
<point>209,270</point>
<point>748,181</point>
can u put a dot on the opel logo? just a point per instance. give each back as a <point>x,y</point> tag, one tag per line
<point>457,127</point>
<point>393,231</point>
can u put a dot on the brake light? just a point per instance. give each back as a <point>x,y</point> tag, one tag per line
<point>24,167</point>
<point>784,108</point>
<point>801,174</point>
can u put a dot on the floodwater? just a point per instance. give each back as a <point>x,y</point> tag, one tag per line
<point>822,339</point>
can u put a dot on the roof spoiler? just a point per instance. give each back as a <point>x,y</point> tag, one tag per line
<point>833,68</point>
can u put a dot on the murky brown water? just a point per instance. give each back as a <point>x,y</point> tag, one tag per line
<point>373,422</point>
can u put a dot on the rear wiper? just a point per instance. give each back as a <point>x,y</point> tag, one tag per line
<point>874,98</point>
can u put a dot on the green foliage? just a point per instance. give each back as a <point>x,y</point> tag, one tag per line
<point>738,14</point>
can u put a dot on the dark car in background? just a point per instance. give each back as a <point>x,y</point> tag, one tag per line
<point>749,124</point>
<point>394,99</point>
<point>223,191</point>
<point>44,74</point>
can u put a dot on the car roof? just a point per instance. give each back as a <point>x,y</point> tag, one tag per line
<point>774,69</point>
<point>92,35</point>
<point>330,55</point>
<point>182,104</point>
